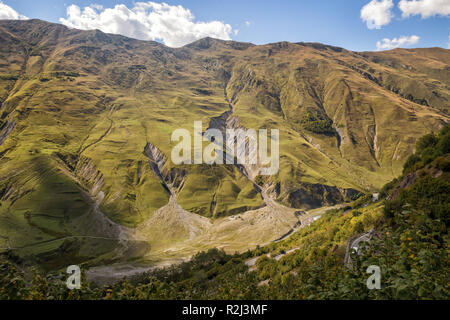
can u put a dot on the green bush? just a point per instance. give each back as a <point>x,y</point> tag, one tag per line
<point>426,142</point>
<point>317,122</point>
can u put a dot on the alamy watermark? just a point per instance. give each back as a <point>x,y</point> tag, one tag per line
<point>239,146</point>
<point>74,280</point>
<point>374,281</point>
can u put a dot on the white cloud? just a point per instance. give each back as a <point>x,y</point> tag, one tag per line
<point>174,25</point>
<point>377,13</point>
<point>248,23</point>
<point>425,8</point>
<point>8,13</point>
<point>388,44</point>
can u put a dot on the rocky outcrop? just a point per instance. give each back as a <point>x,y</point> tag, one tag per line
<point>85,172</point>
<point>5,130</point>
<point>9,192</point>
<point>229,121</point>
<point>172,178</point>
<point>311,196</point>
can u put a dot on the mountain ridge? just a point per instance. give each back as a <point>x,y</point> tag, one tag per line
<point>36,20</point>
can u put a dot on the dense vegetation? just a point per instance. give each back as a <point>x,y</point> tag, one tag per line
<point>317,122</point>
<point>410,246</point>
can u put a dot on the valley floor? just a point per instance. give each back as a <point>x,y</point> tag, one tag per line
<point>253,229</point>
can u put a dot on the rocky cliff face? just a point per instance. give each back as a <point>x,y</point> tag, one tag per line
<point>172,178</point>
<point>5,130</point>
<point>311,196</point>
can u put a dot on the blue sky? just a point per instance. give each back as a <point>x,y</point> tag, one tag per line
<point>334,22</point>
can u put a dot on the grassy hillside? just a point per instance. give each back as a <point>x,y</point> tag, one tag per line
<point>408,230</point>
<point>79,108</point>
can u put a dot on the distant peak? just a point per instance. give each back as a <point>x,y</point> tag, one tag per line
<point>208,42</point>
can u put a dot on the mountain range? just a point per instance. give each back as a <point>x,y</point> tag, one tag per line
<point>86,120</point>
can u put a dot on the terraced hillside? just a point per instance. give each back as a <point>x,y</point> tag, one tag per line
<point>86,120</point>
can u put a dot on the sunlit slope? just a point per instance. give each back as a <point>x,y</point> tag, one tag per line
<point>79,108</point>
<point>340,124</point>
<point>419,75</point>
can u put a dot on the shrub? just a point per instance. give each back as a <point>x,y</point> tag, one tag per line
<point>427,141</point>
<point>443,164</point>
<point>357,213</point>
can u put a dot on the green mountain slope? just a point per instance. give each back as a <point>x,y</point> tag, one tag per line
<point>405,234</point>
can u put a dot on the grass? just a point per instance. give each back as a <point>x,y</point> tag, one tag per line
<point>105,97</point>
